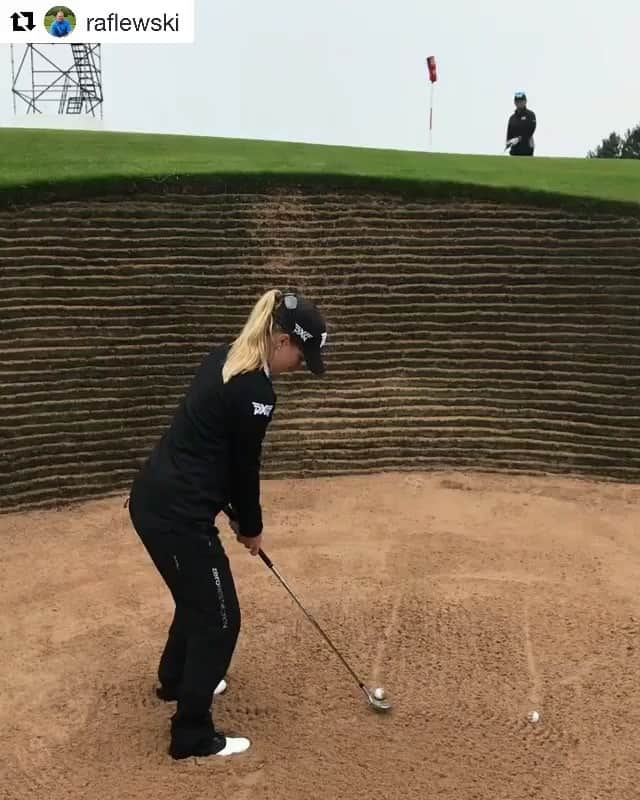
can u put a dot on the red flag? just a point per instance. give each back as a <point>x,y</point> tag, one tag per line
<point>433,72</point>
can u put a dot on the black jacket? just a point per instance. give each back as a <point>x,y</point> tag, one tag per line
<point>210,454</point>
<point>522,123</point>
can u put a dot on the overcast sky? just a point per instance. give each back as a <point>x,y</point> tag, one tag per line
<point>353,72</point>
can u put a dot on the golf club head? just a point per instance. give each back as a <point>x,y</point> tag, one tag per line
<point>377,705</point>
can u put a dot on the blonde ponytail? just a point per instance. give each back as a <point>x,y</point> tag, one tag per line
<point>250,350</point>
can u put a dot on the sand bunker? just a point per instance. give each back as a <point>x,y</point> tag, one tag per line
<point>473,599</point>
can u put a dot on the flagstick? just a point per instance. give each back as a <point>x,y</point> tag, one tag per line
<point>431,117</point>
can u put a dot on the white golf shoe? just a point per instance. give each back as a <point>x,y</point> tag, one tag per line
<point>234,746</point>
<point>231,746</point>
<point>221,688</point>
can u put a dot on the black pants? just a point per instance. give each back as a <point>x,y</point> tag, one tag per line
<point>205,626</point>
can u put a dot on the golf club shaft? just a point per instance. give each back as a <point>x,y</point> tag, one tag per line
<point>228,510</point>
<point>265,558</point>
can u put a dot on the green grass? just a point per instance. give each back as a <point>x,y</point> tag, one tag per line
<point>35,159</point>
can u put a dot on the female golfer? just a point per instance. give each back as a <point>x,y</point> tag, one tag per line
<point>209,459</point>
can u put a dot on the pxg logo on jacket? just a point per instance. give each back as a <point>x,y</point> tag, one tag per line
<point>262,409</point>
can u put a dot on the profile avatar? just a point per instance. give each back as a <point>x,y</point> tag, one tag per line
<point>60,22</point>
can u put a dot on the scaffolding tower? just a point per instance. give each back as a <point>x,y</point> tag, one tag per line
<point>69,76</point>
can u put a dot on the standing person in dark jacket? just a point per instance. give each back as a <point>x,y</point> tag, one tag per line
<point>209,458</point>
<point>521,127</point>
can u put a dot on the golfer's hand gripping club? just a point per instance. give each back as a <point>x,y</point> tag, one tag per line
<point>252,543</point>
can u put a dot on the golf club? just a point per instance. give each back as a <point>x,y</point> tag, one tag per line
<point>377,703</point>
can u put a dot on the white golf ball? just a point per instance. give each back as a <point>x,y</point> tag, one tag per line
<point>533,716</point>
<point>379,693</point>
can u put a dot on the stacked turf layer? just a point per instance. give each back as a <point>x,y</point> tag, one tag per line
<point>463,334</point>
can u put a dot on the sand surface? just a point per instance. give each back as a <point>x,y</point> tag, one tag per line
<point>473,599</point>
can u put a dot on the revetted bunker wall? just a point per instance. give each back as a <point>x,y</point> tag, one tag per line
<point>462,334</point>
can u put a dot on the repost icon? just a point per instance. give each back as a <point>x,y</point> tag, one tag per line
<point>23,21</point>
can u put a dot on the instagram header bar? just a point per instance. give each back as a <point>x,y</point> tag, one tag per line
<point>99,22</point>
